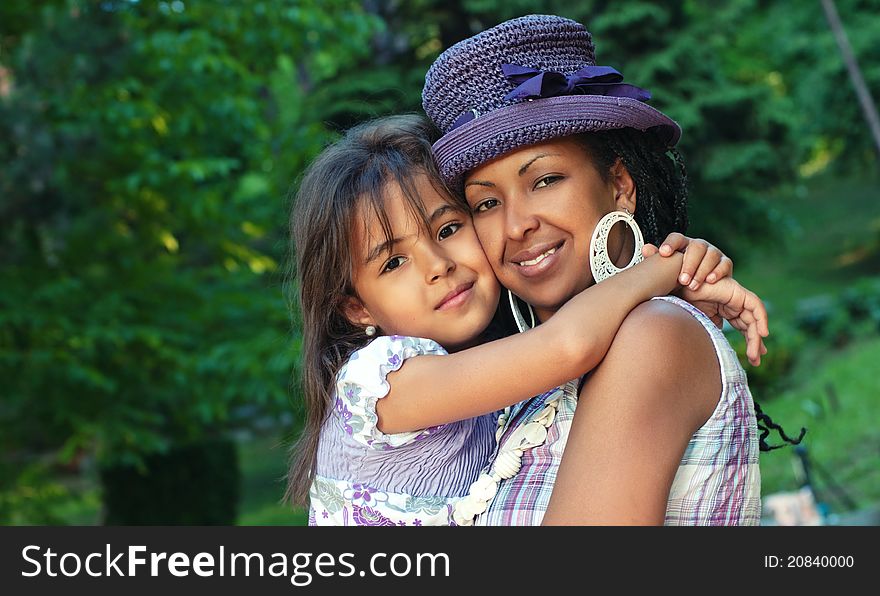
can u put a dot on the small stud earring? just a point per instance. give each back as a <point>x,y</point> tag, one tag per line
<point>370,331</point>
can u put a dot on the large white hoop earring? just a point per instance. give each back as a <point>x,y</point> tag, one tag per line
<point>517,315</point>
<point>600,262</point>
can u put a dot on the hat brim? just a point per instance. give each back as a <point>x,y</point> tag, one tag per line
<point>491,135</point>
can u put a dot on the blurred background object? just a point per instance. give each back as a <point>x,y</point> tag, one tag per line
<point>147,149</point>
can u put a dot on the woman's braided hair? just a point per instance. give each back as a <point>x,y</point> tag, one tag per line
<point>661,182</point>
<point>658,172</point>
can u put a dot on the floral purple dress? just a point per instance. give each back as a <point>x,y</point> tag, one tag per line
<point>368,478</point>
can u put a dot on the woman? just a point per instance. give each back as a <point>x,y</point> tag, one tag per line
<point>543,144</point>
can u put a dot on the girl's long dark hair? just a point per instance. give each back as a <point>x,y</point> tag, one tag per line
<point>347,181</point>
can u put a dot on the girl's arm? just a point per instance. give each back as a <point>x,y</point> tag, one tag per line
<point>659,383</point>
<point>433,390</point>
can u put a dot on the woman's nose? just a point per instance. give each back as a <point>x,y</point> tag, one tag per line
<point>520,220</point>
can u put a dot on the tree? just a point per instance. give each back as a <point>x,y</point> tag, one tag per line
<point>147,151</point>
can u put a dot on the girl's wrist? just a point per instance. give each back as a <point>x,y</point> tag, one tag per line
<point>666,271</point>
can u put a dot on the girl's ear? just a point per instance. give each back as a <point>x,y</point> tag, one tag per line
<point>624,187</point>
<point>356,313</point>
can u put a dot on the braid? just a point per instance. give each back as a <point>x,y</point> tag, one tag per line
<point>764,421</point>
<point>661,181</point>
<point>658,172</point>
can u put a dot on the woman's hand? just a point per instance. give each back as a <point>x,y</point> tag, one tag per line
<point>742,308</point>
<point>703,262</point>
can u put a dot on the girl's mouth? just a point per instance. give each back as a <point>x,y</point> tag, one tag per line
<point>456,297</point>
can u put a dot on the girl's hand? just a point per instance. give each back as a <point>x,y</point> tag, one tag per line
<point>702,261</point>
<point>742,308</point>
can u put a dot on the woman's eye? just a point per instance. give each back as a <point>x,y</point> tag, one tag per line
<point>486,205</point>
<point>448,230</point>
<point>547,181</point>
<point>393,263</point>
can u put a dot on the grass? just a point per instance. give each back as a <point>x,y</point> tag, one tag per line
<point>829,239</point>
<point>832,242</point>
<point>838,405</point>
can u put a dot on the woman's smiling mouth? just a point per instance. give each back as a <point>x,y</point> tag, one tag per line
<point>536,261</point>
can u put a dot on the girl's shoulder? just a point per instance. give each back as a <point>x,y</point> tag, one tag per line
<point>363,381</point>
<point>371,364</point>
<point>394,349</point>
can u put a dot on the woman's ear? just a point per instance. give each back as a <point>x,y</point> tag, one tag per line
<point>624,187</point>
<point>356,313</point>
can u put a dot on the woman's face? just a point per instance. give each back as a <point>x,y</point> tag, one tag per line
<point>534,210</point>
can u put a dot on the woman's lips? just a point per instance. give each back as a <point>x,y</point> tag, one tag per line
<point>456,297</point>
<point>540,263</point>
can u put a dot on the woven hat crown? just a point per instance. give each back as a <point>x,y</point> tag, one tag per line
<point>526,81</point>
<point>468,75</point>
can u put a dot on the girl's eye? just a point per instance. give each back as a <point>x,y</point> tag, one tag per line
<point>486,205</point>
<point>547,181</point>
<point>393,263</point>
<point>448,230</point>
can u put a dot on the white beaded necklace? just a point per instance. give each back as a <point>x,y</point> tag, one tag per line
<point>509,459</point>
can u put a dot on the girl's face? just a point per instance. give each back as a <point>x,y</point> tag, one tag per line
<point>433,283</point>
<point>534,210</point>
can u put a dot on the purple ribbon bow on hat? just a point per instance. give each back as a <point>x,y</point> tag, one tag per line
<point>589,80</point>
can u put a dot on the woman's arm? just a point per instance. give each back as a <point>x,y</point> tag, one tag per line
<point>637,411</point>
<point>432,390</point>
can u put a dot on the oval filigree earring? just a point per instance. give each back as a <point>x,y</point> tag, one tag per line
<point>600,262</point>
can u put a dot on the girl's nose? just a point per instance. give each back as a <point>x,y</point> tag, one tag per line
<point>440,265</point>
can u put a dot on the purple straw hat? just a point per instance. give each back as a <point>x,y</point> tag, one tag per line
<point>525,81</point>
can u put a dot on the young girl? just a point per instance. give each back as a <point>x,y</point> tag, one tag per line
<point>390,269</point>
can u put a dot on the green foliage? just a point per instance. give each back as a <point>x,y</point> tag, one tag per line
<point>195,484</point>
<point>837,320</point>
<point>862,301</point>
<point>147,150</point>
<point>29,494</point>
<point>792,48</point>
<point>773,375</point>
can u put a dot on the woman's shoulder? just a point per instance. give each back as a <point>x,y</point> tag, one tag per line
<point>664,321</point>
<point>665,345</point>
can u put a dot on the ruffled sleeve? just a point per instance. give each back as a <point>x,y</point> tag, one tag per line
<point>362,382</point>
